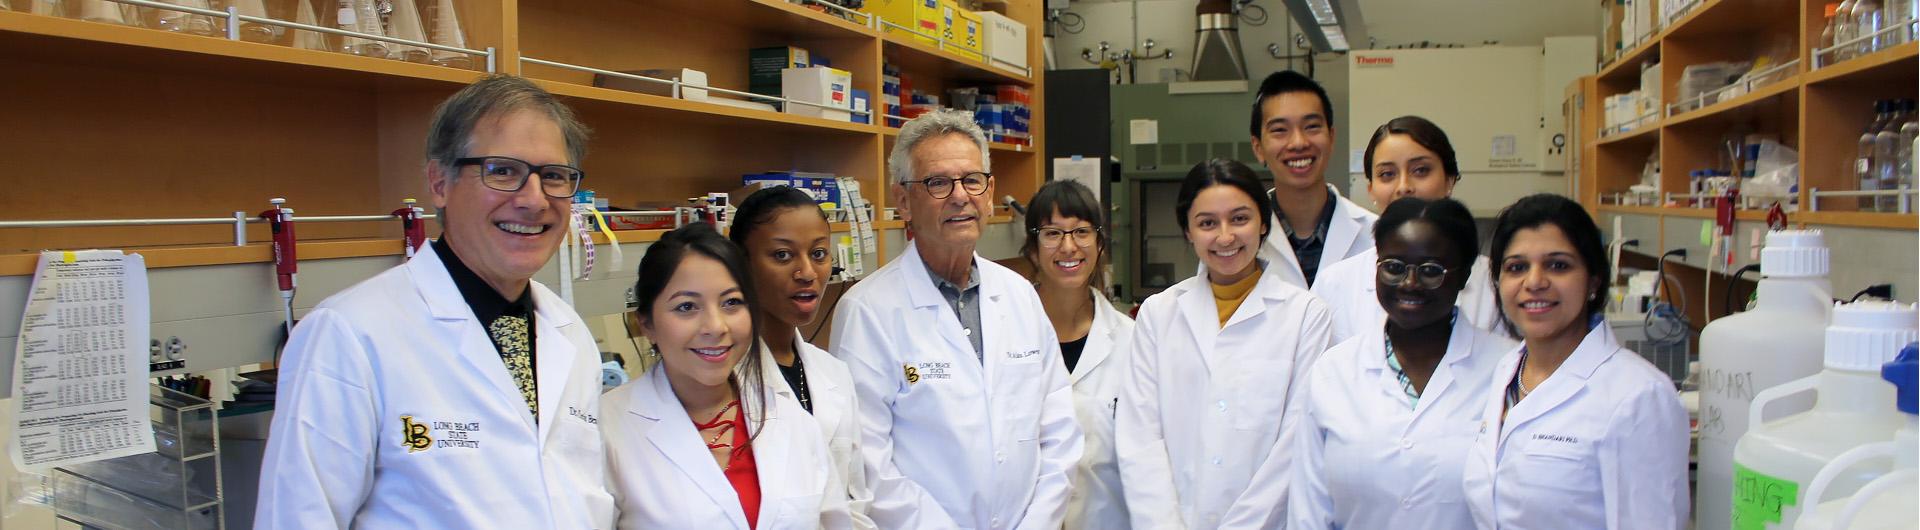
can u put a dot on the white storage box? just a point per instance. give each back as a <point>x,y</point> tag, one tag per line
<point>1006,40</point>
<point>819,85</point>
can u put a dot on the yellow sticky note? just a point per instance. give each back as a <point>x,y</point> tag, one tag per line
<point>68,256</point>
<point>1706,232</point>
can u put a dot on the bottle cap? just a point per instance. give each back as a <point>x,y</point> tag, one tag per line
<point>1904,373</point>
<point>1794,254</point>
<point>1832,9</point>
<point>1867,334</point>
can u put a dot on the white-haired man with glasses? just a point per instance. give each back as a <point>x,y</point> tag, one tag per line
<point>966,416</point>
<point>453,391</point>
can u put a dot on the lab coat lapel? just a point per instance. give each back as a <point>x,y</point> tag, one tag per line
<point>553,352</point>
<point>925,297</point>
<point>454,322</point>
<point>1459,348</point>
<point>1373,360</point>
<point>817,381</point>
<point>1343,231</point>
<point>1203,319</point>
<point>1100,339</point>
<point>1278,253</point>
<point>1567,380</point>
<point>674,436</point>
<point>995,325</point>
<point>1265,293</point>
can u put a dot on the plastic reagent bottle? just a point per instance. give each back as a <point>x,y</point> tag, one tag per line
<point>1886,503</point>
<point>1782,339</point>
<point>1777,460</point>
<point>1863,156</point>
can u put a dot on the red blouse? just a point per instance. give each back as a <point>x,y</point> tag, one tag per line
<point>741,470</point>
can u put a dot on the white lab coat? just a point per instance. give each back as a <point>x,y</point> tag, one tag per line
<point>1097,502</point>
<point>964,441</point>
<point>1365,459</point>
<point>403,348</point>
<point>1348,233</point>
<point>1207,412</point>
<point>662,475</point>
<point>1348,289</point>
<point>830,389</point>
<point>1602,443</point>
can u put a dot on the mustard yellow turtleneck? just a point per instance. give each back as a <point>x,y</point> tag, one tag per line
<point>1227,298</point>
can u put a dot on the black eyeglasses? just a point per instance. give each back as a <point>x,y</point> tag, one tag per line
<point>942,187</point>
<point>1428,275</point>
<point>1051,237</point>
<point>510,174</point>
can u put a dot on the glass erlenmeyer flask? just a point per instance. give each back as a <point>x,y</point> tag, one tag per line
<point>182,21</point>
<point>5,5</point>
<point>102,11</point>
<point>361,16</point>
<point>52,8</point>
<point>255,31</point>
<point>308,40</point>
<point>404,22</point>
<point>447,32</point>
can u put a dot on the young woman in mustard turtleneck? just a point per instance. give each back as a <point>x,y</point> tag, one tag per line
<point>1207,411</point>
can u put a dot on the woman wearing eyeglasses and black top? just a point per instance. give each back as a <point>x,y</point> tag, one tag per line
<point>700,441</point>
<point>1389,412</point>
<point>1577,432</point>
<point>1407,157</point>
<point>1067,247</point>
<point>1213,395</point>
<point>788,247</point>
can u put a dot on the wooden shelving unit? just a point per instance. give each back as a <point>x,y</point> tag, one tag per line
<point>134,122</point>
<point>1816,111</point>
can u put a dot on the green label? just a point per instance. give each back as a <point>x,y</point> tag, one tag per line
<point>1758,499</point>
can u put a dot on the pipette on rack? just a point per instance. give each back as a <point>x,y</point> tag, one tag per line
<point>286,265</point>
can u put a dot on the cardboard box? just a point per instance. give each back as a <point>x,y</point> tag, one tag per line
<point>765,67</point>
<point>1005,40</point>
<point>819,85</point>
<point>962,30</point>
<point>923,16</point>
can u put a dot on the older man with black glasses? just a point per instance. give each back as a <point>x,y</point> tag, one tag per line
<point>453,391</point>
<point>966,416</point>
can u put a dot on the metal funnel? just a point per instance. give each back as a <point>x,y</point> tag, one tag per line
<point>1216,45</point>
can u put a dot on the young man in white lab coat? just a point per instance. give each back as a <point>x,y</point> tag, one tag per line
<point>966,416</point>
<point>1314,227</point>
<point>453,391</point>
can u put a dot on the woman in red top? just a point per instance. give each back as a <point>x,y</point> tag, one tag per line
<point>690,446</point>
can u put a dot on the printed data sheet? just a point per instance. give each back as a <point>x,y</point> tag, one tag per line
<point>80,370</point>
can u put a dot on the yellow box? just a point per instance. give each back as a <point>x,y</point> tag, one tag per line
<point>923,16</point>
<point>963,30</point>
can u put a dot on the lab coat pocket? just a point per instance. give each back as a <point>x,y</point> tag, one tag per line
<point>798,511</point>
<point>1258,396</point>
<point>1559,466</point>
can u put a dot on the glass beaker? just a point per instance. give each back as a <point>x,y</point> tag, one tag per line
<point>52,8</point>
<point>255,31</point>
<point>103,11</point>
<point>308,40</point>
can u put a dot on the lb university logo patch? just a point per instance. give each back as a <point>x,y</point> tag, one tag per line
<point>418,435</point>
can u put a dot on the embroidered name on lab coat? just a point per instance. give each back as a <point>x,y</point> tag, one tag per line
<point>419,436</point>
<point>583,415</point>
<point>1021,355</point>
<point>1561,438</point>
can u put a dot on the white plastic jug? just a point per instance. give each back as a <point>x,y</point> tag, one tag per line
<point>1776,460</point>
<point>1886,503</point>
<point>1780,340</point>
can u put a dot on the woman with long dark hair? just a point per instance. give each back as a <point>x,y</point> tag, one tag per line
<point>1578,432</point>
<point>699,441</point>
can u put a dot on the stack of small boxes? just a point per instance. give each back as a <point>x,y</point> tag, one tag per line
<point>1003,113</point>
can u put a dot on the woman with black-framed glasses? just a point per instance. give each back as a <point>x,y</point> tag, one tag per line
<point>1067,248</point>
<point>1389,412</point>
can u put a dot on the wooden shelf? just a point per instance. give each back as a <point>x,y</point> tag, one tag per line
<point>894,132</point>
<point>198,255</point>
<point>1628,64</point>
<point>767,17</point>
<point>915,56</point>
<point>69,41</point>
<point>1783,88</point>
<point>1891,64</point>
<point>1841,219</point>
<point>1720,17</point>
<point>705,111</point>
<point>1647,133</point>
